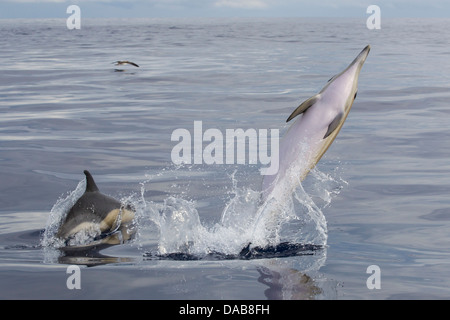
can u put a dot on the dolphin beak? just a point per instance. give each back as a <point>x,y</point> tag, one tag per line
<point>361,58</point>
<point>356,65</point>
<point>364,53</point>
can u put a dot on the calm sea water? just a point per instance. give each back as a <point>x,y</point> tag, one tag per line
<point>384,182</point>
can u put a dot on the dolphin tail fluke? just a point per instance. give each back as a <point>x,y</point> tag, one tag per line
<point>90,183</point>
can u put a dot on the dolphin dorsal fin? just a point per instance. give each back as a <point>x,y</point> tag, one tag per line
<point>90,183</point>
<point>304,106</point>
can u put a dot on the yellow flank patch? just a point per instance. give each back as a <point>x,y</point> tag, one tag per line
<point>115,218</point>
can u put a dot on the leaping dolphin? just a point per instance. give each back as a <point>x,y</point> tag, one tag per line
<point>98,217</point>
<point>310,135</point>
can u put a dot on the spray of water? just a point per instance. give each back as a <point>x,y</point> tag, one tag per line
<point>293,214</point>
<point>294,217</point>
<point>57,215</point>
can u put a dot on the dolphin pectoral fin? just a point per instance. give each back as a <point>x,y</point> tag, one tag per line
<point>303,107</point>
<point>334,124</point>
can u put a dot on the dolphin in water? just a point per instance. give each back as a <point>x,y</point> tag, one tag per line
<point>96,219</point>
<point>309,137</point>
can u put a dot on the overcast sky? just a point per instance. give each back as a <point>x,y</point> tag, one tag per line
<point>219,8</point>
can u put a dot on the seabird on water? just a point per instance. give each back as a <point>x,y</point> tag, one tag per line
<point>118,63</point>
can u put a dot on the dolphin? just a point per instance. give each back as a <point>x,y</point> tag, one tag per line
<point>309,137</point>
<point>98,217</point>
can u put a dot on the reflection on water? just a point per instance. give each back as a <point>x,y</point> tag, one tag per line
<point>281,278</point>
<point>288,284</point>
<point>91,258</point>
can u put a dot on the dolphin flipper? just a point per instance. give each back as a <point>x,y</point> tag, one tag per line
<point>304,106</point>
<point>334,124</point>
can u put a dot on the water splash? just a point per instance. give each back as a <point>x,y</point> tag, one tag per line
<point>174,225</point>
<point>295,218</point>
<point>57,214</point>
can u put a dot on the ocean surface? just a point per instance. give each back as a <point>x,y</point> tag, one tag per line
<point>379,197</point>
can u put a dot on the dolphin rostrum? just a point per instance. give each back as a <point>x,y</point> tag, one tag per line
<point>97,217</point>
<point>309,137</point>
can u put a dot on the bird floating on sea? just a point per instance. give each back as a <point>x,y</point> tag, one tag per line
<point>123,62</point>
